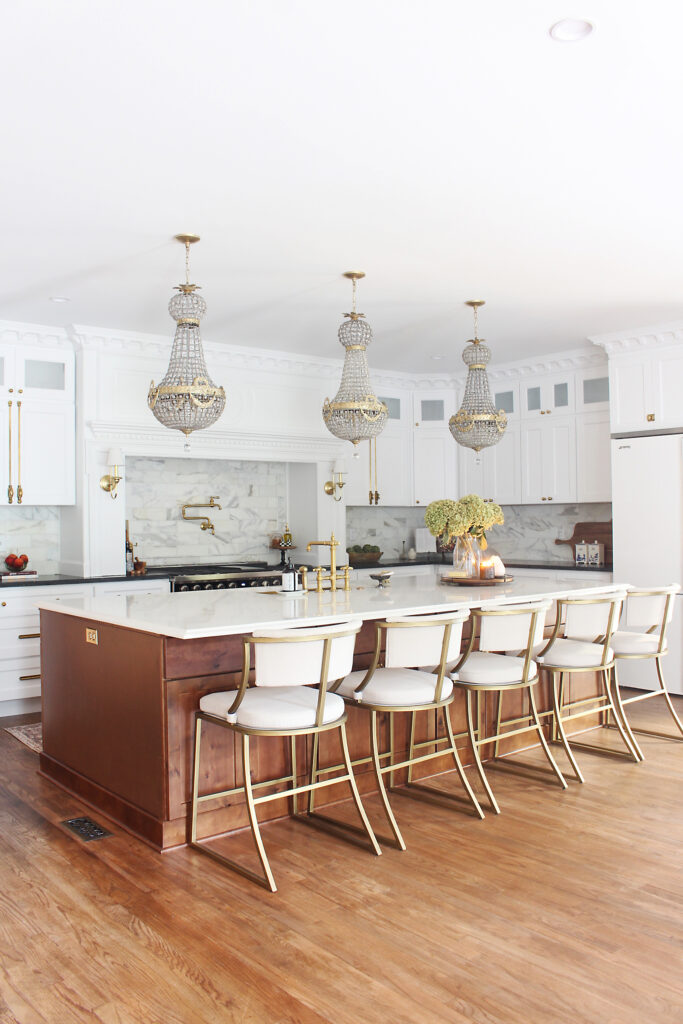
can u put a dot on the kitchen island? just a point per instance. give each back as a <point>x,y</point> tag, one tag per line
<point>123,676</point>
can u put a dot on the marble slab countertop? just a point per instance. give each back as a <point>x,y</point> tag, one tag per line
<point>195,614</point>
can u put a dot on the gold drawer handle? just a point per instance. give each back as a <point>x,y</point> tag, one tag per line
<point>28,636</point>
<point>24,678</point>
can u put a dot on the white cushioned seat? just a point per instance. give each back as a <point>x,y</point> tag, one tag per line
<point>495,670</point>
<point>395,687</point>
<point>575,654</point>
<point>273,707</point>
<point>635,643</point>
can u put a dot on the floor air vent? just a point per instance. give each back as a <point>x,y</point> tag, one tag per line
<point>86,829</point>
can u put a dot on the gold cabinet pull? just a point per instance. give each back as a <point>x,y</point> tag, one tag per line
<point>10,489</point>
<point>20,490</point>
<point>650,417</point>
<point>23,679</point>
<point>28,636</point>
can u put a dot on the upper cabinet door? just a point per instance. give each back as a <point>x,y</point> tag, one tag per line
<point>631,398</point>
<point>593,457</point>
<point>44,374</point>
<point>592,390</point>
<point>506,397</point>
<point>433,466</point>
<point>668,379</point>
<point>502,468</point>
<point>46,446</point>
<point>433,409</point>
<point>533,477</point>
<point>547,396</point>
<point>560,459</point>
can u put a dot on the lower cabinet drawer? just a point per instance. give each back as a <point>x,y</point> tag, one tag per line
<point>20,678</point>
<point>21,639</point>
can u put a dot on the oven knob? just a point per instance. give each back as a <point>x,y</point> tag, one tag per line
<point>196,586</point>
<point>208,586</point>
<point>254,583</point>
<point>183,586</point>
<point>220,586</point>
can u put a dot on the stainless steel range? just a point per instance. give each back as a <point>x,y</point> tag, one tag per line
<point>223,577</point>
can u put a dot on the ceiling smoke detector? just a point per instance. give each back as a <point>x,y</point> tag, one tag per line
<point>571,30</point>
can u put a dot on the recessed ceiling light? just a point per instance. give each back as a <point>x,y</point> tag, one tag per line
<point>59,298</point>
<point>436,358</point>
<point>571,30</point>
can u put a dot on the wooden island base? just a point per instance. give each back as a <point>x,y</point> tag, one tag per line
<point>118,720</point>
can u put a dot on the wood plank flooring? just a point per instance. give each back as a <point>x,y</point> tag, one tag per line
<point>567,908</point>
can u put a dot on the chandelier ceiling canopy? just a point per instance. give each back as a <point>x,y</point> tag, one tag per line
<point>186,399</point>
<point>355,413</point>
<point>477,424</point>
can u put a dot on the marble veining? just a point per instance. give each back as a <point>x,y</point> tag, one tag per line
<point>32,530</point>
<point>252,495</point>
<point>529,531</point>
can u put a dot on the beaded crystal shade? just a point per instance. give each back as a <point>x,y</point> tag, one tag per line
<point>186,399</point>
<point>477,424</point>
<point>355,413</point>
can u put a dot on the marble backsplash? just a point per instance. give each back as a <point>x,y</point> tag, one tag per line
<point>253,496</point>
<point>529,531</point>
<point>32,530</point>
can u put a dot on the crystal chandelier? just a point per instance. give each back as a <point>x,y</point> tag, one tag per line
<point>186,399</point>
<point>355,413</point>
<point>477,424</point>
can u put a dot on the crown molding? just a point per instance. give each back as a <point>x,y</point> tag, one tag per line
<point>12,332</point>
<point>216,444</point>
<point>661,336</point>
<point>558,362</point>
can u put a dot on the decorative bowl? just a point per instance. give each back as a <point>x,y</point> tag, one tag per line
<point>383,578</point>
<point>364,557</point>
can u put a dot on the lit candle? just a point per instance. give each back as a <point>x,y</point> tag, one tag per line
<point>487,570</point>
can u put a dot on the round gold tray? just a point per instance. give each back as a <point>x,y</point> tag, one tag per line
<point>464,581</point>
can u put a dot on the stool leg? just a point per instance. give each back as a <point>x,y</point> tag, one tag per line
<point>544,742</point>
<point>411,747</point>
<point>314,774</point>
<point>295,797</point>
<point>374,741</point>
<point>557,708</point>
<point>251,810</point>
<point>391,747</point>
<point>195,777</point>
<point>617,718</point>
<point>475,750</point>
<point>499,716</point>
<point>622,712</point>
<point>665,694</point>
<point>354,792</point>
<point>458,765</point>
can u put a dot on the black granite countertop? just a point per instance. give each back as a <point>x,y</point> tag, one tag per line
<point>428,559</point>
<point>60,580</point>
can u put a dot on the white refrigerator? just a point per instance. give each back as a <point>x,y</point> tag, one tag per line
<point>647,512</point>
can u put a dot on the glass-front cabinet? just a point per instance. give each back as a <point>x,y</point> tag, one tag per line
<point>37,426</point>
<point>547,396</point>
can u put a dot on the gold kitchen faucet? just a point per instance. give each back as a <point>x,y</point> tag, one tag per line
<point>335,575</point>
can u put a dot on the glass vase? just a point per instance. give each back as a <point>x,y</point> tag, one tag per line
<point>467,556</point>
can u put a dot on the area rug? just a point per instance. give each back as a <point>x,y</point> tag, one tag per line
<point>30,735</point>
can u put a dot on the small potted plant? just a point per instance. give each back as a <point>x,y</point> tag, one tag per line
<point>460,526</point>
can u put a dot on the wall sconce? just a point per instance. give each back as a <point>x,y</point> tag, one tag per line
<point>336,483</point>
<point>110,481</point>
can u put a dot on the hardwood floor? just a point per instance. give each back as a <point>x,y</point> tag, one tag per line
<point>568,907</point>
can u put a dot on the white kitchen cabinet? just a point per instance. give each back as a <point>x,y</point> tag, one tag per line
<point>37,427</point>
<point>547,396</point>
<point>493,473</point>
<point>592,390</point>
<point>646,390</point>
<point>506,397</point>
<point>393,480</point>
<point>138,588</point>
<point>434,466</point>
<point>548,451</point>
<point>593,457</point>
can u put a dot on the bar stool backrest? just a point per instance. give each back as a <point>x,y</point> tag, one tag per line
<point>416,640</point>
<point>296,656</point>
<point>507,627</point>
<point>591,618</point>
<point>651,608</point>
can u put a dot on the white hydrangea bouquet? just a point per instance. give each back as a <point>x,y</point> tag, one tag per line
<point>471,515</point>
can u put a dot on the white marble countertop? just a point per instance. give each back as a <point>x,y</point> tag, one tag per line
<point>207,613</point>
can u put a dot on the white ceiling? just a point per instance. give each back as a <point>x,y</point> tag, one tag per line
<point>451,150</point>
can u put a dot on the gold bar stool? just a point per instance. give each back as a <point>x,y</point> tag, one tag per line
<point>399,686</point>
<point>289,698</point>
<point>651,611</point>
<point>583,647</point>
<point>504,628</point>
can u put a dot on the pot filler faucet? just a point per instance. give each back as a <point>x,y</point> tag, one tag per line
<point>205,521</point>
